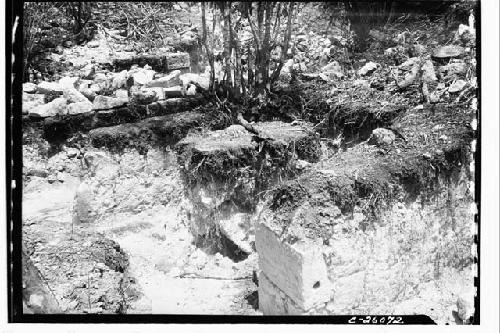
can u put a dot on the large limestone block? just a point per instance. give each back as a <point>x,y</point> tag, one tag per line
<point>49,88</point>
<point>273,301</point>
<point>298,269</point>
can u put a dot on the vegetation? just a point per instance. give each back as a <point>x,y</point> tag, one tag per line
<point>249,67</point>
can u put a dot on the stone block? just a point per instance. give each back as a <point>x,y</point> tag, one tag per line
<point>173,92</point>
<point>106,102</point>
<point>79,107</point>
<point>273,301</point>
<point>49,88</point>
<point>298,269</point>
<point>56,107</point>
<point>168,81</point>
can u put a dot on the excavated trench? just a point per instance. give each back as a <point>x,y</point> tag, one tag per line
<point>199,211</point>
<point>177,200</point>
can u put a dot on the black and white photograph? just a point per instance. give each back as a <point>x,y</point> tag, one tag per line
<point>248,162</point>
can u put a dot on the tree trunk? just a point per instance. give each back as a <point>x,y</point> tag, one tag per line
<point>208,49</point>
<point>238,77</point>
<point>227,43</point>
<point>286,42</point>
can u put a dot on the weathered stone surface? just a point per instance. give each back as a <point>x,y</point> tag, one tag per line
<point>74,96</point>
<point>49,88</point>
<point>382,137</point>
<point>29,88</point>
<point>69,82</point>
<point>101,78</point>
<point>428,72</point>
<point>56,107</point>
<point>147,95</point>
<point>84,206</point>
<point>173,105</point>
<point>457,67</point>
<point>88,72</point>
<point>93,44</point>
<point>298,269</point>
<point>198,80</point>
<point>119,80</point>
<point>368,68</point>
<point>273,301</point>
<point>121,94</point>
<point>331,71</point>
<point>153,131</point>
<point>177,60</point>
<point>97,88</point>
<point>168,81</point>
<point>106,102</point>
<point>79,107</point>
<point>143,76</point>
<point>408,64</point>
<point>239,229</point>
<point>31,101</point>
<point>191,91</point>
<point>419,49</point>
<point>175,91</point>
<point>101,165</point>
<point>40,298</point>
<point>457,86</point>
<point>88,93</point>
<point>448,51</point>
<point>119,115</point>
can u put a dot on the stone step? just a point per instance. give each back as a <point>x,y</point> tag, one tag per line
<point>60,127</point>
<point>157,131</point>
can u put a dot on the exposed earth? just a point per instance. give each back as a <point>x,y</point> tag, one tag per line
<point>142,195</point>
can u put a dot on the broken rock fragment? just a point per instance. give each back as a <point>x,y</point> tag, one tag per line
<point>31,101</point>
<point>79,107</point>
<point>167,81</point>
<point>382,137</point>
<point>57,106</point>
<point>69,82</point>
<point>143,76</point>
<point>29,88</point>
<point>448,51</point>
<point>74,96</point>
<point>146,96</point>
<point>198,80</point>
<point>368,68</point>
<point>106,102</point>
<point>49,88</point>
<point>119,80</point>
<point>457,86</point>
